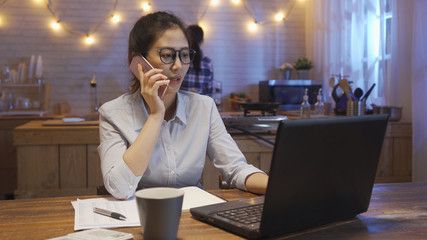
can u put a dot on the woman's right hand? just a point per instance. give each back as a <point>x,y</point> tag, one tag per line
<point>150,83</point>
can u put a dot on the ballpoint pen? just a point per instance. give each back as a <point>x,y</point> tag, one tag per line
<point>109,213</point>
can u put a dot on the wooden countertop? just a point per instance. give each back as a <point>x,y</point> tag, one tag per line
<point>54,131</point>
<point>35,132</point>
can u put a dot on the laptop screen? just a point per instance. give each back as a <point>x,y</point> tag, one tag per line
<point>322,170</point>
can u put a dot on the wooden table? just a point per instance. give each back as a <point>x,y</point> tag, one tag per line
<point>397,211</point>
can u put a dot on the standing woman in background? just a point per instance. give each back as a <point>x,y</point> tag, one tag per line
<point>200,75</point>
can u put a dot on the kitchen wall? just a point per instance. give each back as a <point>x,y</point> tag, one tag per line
<point>241,58</point>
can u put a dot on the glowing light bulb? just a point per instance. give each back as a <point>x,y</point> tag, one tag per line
<point>55,25</point>
<point>235,1</point>
<point>279,17</point>
<point>253,26</point>
<point>89,40</point>
<point>38,1</point>
<point>214,2</point>
<point>115,18</point>
<point>146,6</point>
<point>203,26</point>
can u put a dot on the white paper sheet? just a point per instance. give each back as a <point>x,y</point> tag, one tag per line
<point>196,197</point>
<point>85,218</point>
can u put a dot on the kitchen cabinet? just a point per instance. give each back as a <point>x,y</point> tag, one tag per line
<point>63,160</point>
<point>57,160</point>
<point>8,158</point>
<point>396,157</point>
<point>395,163</point>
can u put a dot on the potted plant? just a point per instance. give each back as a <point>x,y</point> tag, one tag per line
<point>303,66</point>
<point>285,71</point>
<point>236,98</point>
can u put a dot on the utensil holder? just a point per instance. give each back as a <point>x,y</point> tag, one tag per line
<point>356,108</point>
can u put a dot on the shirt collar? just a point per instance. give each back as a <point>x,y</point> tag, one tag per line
<point>140,113</point>
<point>180,108</point>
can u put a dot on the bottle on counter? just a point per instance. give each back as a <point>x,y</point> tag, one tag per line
<point>319,106</point>
<point>305,105</point>
<point>217,94</point>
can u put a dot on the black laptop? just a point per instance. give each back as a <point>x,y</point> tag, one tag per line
<point>322,171</point>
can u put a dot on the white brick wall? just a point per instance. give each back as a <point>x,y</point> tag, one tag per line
<point>241,58</point>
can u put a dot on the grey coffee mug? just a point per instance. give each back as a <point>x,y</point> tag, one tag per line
<point>159,212</point>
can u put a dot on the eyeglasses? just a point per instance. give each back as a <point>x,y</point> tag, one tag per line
<point>168,55</point>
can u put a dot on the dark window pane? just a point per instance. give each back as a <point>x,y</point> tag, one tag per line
<point>387,5</point>
<point>388,36</point>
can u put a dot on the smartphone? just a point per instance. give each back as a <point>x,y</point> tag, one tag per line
<point>146,66</point>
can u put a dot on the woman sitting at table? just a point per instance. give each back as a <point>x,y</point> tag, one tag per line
<point>148,141</point>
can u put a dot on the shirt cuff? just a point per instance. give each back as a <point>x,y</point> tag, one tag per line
<point>243,175</point>
<point>121,182</point>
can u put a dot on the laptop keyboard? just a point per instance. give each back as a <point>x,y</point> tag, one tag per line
<point>245,215</point>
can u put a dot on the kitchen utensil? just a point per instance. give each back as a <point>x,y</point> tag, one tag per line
<point>340,100</point>
<point>345,86</point>
<point>332,82</point>
<point>356,108</point>
<point>358,93</point>
<point>350,90</point>
<point>368,93</point>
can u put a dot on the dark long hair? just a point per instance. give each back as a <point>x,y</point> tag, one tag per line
<point>146,32</point>
<point>196,36</point>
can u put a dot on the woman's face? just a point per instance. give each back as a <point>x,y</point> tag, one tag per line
<point>176,70</point>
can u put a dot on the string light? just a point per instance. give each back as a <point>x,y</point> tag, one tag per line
<point>146,6</point>
<point>2,2</point>
<point>89,40</point>
<point>253,26</point>
<point>115,18</point>
<point>203,26</point>
<point>214,2</point>
<point>279,17</point>
<point>56,25</point>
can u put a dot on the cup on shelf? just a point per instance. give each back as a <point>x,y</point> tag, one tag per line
<point>217,94</point>
<point>26,103</point>
<point>18,103</point>
<point>36,105</point>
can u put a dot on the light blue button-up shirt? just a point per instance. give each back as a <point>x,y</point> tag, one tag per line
<point>179,156</point>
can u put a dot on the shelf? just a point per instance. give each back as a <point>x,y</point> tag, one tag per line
<point>23,113</point>
<point>19,85</point>
<point>39,93</point>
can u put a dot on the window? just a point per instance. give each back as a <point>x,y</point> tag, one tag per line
<point>377,32</point>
